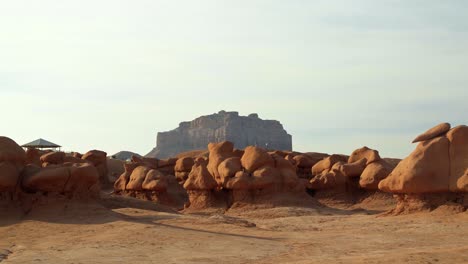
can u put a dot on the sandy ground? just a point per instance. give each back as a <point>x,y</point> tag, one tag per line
<point>126,230</point>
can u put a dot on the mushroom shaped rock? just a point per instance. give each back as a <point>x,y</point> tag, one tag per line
<point>218,153</point>
<point>137,178</point>
<point>11,152</point>
<point>9,176</point>
<point>155,181</point>
<point>425,170</point>
<point>228,168</point>
<point>53,157</point>
<point>373,174</point>
<point>255,158</point>
<point>370,155</point>
<point>436,131</point>
<point>458,152</point>
<point>354,169</point>
<point>199,186</point>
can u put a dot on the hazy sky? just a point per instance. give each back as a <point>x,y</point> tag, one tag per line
<point>110,74</point>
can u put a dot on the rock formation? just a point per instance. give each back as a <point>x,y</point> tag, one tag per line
<point>28,177</point>
<point>151,179</point>
<point>434,173</point>
<point>243,131</point>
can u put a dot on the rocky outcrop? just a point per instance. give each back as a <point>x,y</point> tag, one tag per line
<point>242,131</point>
<point>27,178</point>
<point>434,173</point>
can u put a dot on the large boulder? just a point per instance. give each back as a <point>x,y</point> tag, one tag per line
<point>9,176</point>
<point>326,164</point>
<point>182,168</point>
<point>53,158</point>
<point>99,160</point>
<point>425,170</point>
<point>50,179</point>
<point>218,153</point>
<point>458,152</point>
<point>354,169</point>
<point>370,155</point>
<point>83,177</point>
<point>436,131</point>
<point>121,183</point>
<point>255,158</point>
<point>373,174</point>
<point>11,152</point>
<point>137,178</point>
<point>155,181</point>
<point>228,168</point>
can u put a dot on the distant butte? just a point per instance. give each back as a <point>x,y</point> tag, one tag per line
<point>243,131</point>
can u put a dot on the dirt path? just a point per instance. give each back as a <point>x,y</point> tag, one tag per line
<point>129,231</point>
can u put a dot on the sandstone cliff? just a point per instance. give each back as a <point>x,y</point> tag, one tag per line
<point>243,131</point>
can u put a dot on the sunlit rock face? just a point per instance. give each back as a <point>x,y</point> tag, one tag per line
<point>243,131</point>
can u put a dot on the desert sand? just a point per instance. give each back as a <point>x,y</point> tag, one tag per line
<point>119,229</point>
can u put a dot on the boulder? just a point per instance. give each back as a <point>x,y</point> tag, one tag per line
<point>436,131</point>
<point>304,161</point>
<point>184,164</point>
<point>373,174</point>
<point>33,156</point>
<point>425,170</point>
<point>228,168</point>
<point>11,152</point>
<point>9,176</point>
<point>199,178</point>
<point>53,157</point>
<point>255,158</point>
<point>369,154</point>
<point>354,169</point>
<point>121,183</point>
<point>137,178</point>
<point>458,152</point>
<point>50,179</point>
<point>82,177</point>
<point>155,181</point>
<point>326,164</point>
<point>99,160</point>
<point>265,177</point>
<point>218,153</point>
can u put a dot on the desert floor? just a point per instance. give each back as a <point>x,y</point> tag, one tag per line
<point>126,230</point>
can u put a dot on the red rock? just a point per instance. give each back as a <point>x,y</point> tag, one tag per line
<point>369,154</point>
<point>374,173</point>
<point>458,152</point>
<point>354,169</point>
<point>9,176</point>
<point>425,170</point>
<point>255,158</point>
<point>11,152</point>
<point>155,181</point>
<point>436,131</point>
<point>218,153</point>
<point>137,178</point>
<point>53,158</point>
<point>228,168</point>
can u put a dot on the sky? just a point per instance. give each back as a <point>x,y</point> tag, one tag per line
<point>339,75</point>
